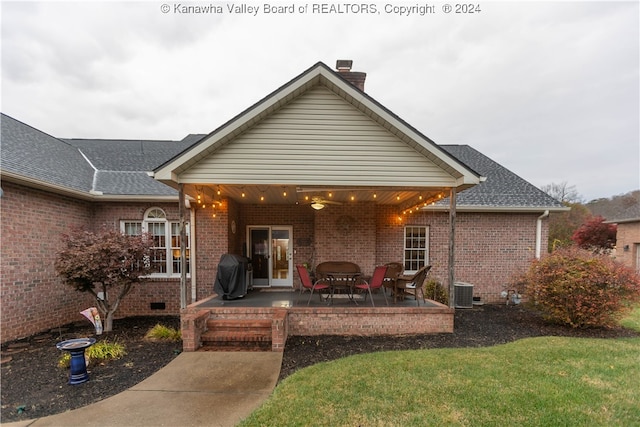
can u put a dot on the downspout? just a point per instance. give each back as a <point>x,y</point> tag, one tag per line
<point>539,233</point>
<point>183,248</point>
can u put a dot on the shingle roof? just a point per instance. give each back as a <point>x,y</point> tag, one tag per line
<point>130,155</point>
<point>112,167</point>
<point>121,165</point>
<point>130,183</point>
<point>32,154</point>
<point>502,188</point>
<point>630,214</point>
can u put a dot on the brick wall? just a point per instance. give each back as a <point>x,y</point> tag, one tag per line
<point>304,321</point>
<point>212,241</point>
<point>490,247</point>
<point>32,296</point>
<point>628,236</point>
<point>362,321</point>
<point>347,233</point>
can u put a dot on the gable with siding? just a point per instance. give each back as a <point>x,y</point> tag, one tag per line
<point>317,130</point>
<point>318,137</point>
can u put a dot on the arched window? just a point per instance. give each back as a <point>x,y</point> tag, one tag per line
<point>165,258</point>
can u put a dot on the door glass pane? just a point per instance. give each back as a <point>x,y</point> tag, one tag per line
<point>260,253</point>
<point>280,251</point>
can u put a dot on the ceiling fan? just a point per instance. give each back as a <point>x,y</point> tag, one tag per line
<point>318,202</point>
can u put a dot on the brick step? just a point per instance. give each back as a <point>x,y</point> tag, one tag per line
<point>237,335</point>
<point>221,336</point>
<point>246,325</point>
<point>234,346</point>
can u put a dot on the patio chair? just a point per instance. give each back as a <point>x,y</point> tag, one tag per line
<point>307,283</point>
<point>375,283</point>
<point>394,269</point>
<point>414,283</point>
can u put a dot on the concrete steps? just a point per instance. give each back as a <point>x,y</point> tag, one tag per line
<point>237,335</point>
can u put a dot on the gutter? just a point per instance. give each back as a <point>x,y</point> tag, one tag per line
<point>539,233</point>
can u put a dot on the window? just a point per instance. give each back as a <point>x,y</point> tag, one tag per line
<point>416,247</point>
<point>165,257</point>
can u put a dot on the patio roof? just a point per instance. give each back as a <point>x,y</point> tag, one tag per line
<point>318,135</point>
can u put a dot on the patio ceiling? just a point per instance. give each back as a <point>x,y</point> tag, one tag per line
<point>404,198</point>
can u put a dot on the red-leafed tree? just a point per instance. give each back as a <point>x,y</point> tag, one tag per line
<point>108,262</point>
<point>595,235</point>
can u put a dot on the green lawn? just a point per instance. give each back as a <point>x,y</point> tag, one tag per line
<point>546,381</point>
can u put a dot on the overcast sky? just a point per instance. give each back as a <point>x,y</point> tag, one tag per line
<point>548,89</point>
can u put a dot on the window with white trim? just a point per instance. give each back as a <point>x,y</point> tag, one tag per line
<point>416,247</point>
<point>165,255</point>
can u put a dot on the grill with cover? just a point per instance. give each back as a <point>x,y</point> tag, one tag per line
<point>231,280</point>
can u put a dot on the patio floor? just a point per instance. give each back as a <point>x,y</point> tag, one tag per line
<point>263,297</point>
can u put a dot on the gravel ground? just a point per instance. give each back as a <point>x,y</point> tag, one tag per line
<point>32,386</point>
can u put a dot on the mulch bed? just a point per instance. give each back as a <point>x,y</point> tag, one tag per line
<point>32,386</point>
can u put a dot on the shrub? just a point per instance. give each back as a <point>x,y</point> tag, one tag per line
<point>581,289</point>
<point>163,333</point>
<point>101,351</point>
<point>434,290</point>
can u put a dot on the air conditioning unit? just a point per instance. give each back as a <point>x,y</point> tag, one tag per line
<point>463,295</point>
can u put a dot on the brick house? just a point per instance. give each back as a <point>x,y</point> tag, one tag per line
<point>381,191</point>
<point>628,237</point>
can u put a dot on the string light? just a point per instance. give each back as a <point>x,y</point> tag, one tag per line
<point>424,203</point>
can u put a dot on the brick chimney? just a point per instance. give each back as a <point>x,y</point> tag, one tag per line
<point>356,78</point>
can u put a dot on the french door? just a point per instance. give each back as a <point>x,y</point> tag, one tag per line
<point>271,253</point>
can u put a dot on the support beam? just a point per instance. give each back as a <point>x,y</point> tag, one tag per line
<point>183,248</point>
<point>452,245</point>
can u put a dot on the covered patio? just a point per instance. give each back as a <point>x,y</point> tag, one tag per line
<point>316,171</point>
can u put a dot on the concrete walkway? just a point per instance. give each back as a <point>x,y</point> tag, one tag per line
<point>195,389</point>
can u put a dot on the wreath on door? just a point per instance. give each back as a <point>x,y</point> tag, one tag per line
<point>345,224</point>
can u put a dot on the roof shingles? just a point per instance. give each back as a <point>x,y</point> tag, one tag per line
<point>121,165</point>
<point>33,154</point>
<point>502,188</point>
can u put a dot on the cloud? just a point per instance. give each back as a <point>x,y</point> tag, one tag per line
<point>548,89</point>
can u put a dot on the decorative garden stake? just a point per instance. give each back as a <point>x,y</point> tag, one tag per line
<point>92,314</point>
<point>77,367</point>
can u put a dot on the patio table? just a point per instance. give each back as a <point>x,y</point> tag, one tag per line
<point>341,280</point>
